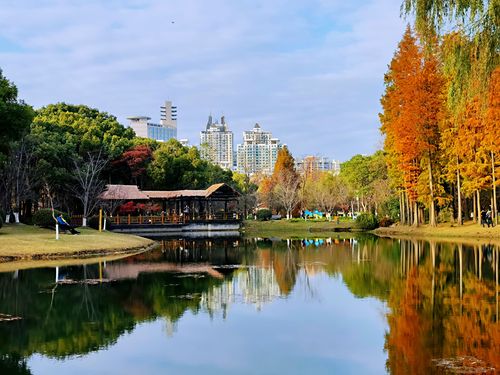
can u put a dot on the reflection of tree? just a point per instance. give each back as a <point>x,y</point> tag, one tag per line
<point>13,364</point>
<point>442,299</point>
<point>443,306</point>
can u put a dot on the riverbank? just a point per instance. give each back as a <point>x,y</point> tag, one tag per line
<point>290,229</point>
<point>19,242</point>
<point>469,232</point>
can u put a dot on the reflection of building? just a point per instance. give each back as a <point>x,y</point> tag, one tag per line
<point>217,143</point>
<point>165,130</point>
<point>311,164</point>
<point>258,153</point>
<point>253,285</point>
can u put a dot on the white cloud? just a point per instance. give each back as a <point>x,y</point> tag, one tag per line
<point>310,71</point>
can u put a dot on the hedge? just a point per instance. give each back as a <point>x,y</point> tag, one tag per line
<point>43,217</point>
<point>367,221</point>
<point>264,214</point>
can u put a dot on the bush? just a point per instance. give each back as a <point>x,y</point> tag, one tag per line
<point>93,222</point>
<point>366,221</point>
<point>264,214</point>
<point>43,217</point>
<point>386,222</point>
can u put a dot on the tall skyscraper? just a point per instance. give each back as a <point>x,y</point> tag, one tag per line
<point>216,143</point>
<point>165,130</point>
<point>258,153</point>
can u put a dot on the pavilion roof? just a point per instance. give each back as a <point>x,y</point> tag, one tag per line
<point>132,192</point>
<point>123,192</point>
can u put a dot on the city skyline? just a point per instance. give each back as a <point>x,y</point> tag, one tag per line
<point>311,73</point>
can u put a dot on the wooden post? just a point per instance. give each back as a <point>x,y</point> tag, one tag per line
<point>100,219</point>
<point>128,219</point>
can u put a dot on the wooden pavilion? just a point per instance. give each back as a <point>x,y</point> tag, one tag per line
<point>218,202</point>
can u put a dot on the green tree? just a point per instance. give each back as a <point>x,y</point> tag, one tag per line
<point>15,116</point>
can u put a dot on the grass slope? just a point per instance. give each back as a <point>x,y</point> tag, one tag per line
<point>18,241</point>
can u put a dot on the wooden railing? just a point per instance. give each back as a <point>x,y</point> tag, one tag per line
<point>172,218</point>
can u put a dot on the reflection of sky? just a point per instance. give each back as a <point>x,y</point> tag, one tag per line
<point>328,332</point>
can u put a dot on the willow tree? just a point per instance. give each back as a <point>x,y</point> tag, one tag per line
<point>492,125</point>
<point>473,52</point>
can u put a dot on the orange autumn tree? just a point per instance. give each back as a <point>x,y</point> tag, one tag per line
<point>286,182</point>
<point>412,106</point>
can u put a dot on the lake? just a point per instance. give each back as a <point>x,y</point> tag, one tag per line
<point>347,305</point>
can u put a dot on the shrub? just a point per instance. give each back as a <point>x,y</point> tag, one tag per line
<point>43,217</point>
<point>93,222</point>
<point>366,221</point>
<point>264,214</point>
<point>386,222</point>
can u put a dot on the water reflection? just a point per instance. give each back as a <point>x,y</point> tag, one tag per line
<point>442,298</point>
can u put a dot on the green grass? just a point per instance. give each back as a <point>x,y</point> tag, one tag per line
<point>19,241</point>
<point>468,231</point>
<point>288,229</point>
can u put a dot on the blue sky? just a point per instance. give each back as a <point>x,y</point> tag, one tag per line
<point>310,71</point>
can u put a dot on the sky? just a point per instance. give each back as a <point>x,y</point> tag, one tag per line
<point>309,71</point>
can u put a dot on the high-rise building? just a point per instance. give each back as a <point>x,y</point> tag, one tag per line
<point>216,143</point>
<point>310,164</point>
<point>258,153</point>
<point>165,130</point>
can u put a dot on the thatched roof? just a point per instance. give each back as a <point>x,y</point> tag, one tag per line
<point>123,192</point>
<point>132,192</point>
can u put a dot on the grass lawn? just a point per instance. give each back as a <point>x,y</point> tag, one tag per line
<point>469,231</point>
<point>23,242</point>
<point>288,229</point>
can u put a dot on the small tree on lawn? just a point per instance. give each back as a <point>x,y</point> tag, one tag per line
<point>88,185</point>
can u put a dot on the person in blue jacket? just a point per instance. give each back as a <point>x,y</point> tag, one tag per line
<point>63,224</point>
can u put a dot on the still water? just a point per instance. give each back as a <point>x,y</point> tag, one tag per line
<point>361,305</point>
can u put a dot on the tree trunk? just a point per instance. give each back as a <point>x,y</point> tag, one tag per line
<point>494,208</point>
<point>459,197</point>
<point>408,209</point>
<point>478,206</point>
<point>474,208</point>
<point>432,209</point>
<point>415,214</point>
<point>401,208</point>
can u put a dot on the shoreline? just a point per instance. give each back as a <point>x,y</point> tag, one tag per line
<point>23,243</point>
<point>468,233</point>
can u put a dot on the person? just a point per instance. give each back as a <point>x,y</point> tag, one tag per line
<point>63,224</point>
<point>489,220</point>
<point>186,212</point>
<point>483,218</point>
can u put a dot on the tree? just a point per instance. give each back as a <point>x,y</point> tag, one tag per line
<point>473,53</point>
<point>248,192</point>
<point>413,105</point>
<point>492,135</point>
<point>286,192</point>
<point>361,174</point>
<point>175,166</point>
<point>15,116</point>
<point>284,182</point>
<point>88,185</point>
